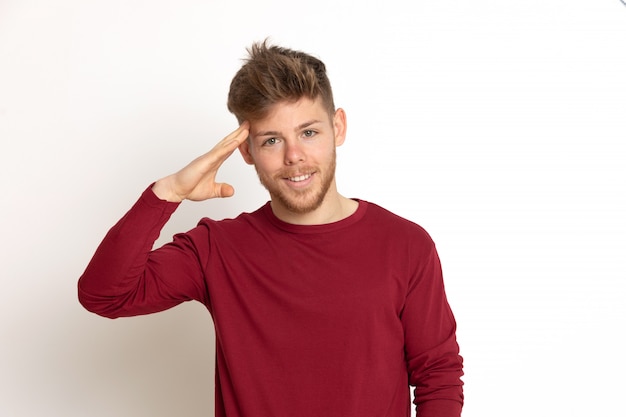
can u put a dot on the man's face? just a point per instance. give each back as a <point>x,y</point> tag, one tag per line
<point>293,152</point>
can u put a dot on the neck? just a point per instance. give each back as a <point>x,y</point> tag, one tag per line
<point>335,207</point>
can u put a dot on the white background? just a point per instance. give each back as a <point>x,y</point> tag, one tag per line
<point>499,126</point>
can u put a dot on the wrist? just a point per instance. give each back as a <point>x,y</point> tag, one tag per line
<point>163,191</point>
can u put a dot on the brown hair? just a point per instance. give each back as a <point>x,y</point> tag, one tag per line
<point>272,74</point>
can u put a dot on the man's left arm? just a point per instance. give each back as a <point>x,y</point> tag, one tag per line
<point>434,364</point>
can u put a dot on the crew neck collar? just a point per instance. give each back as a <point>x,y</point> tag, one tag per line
<point>316,228</point>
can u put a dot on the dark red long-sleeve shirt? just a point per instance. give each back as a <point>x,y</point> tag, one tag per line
<point>326,320</point>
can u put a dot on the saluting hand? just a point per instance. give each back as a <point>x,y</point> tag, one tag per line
<point>196,181</point>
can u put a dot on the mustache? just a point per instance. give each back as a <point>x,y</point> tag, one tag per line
<point>291,173</point>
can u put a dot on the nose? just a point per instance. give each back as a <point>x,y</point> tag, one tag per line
<point>293,153</point>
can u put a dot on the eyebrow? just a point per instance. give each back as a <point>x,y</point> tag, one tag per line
<point>299,127</point>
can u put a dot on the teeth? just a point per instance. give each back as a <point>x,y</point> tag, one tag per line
<point>300,178</point>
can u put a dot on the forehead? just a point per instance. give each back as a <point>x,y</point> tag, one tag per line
<point>287,115</point>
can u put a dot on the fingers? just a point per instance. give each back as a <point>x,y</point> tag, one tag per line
<point>196,181</point>
<point>235,138</point>
<point>224,148</point>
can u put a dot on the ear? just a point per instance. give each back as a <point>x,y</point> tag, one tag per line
<point>244,149</point>
<point>340,126</point>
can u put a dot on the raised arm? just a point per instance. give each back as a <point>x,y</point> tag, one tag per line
<point>125,277</point>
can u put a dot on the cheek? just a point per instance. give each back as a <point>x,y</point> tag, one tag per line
<point>266,162</point>
<point>324,155</point>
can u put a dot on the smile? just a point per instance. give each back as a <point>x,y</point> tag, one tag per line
<point>299,178</point>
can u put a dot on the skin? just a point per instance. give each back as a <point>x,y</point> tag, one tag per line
<point>293,151</point>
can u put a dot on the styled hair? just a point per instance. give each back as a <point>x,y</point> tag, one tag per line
<point>273,74</point>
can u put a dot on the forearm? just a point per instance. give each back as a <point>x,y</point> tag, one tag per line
<point>435,366</point>
<point>437,376</point>
<point>119,263</point>
<point>440,408</point>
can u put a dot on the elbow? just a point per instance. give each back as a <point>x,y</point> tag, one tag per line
<point>101,305</point>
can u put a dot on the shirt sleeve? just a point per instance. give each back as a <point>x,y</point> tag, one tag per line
<point>126,277</point>
<point>434,364</point>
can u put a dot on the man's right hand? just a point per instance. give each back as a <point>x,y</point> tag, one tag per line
<point>196,181</point>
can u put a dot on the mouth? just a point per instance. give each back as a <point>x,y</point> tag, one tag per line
<point>300,178</point>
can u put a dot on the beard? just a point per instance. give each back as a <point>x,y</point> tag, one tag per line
<point>301,201</point>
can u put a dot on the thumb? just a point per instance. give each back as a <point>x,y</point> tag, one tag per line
<point>224,190</point>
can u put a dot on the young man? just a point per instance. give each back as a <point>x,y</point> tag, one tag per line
<point>323,305</point>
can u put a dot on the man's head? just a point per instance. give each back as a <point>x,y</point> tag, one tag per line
<point>286,98</point>
<point>272,75</point>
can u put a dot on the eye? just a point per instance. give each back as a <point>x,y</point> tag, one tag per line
<point>270,142</point>
<point>309,133</point>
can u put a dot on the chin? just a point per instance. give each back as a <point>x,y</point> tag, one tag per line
<point>303,205</point>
